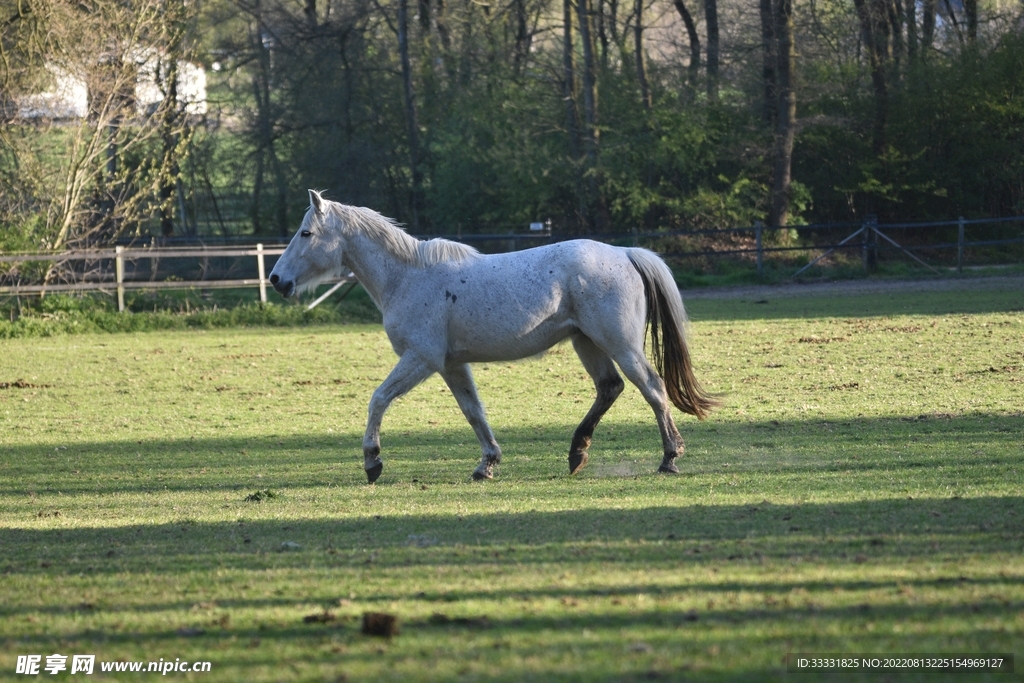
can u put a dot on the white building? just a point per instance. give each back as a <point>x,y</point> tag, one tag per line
<point>68,99</point>
<point>191,85</point>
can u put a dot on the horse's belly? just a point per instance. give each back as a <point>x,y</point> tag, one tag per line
<point>482,339</point>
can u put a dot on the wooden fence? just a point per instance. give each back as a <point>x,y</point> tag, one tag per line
<point>867,238</point>
<point>119,255</point>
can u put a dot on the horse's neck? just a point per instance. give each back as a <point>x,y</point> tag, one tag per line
<point>377,270</point>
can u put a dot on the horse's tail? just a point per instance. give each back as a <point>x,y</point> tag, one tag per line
<point>666,318</point>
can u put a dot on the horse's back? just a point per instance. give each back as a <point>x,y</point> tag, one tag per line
<point>535,278</point>
<point>518,304</point>
<point>571,258</point>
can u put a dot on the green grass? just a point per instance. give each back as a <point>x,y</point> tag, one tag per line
<point>61,314</point>
<point>861,491</point>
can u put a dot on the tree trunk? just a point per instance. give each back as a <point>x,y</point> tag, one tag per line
<point>266,139</point>
<point>281,186</point>
<point>522,45</point>
<point>591,133</point>
<point>602,33</point>
<point>971,15</point>
<point>641,65</point>
<point>910,17</point>
<point>874,25</point>
<point>346,69</point>
<point>169,138</point>
<point>441,24</point>
<point>613,20</point>
<point>264,124</point>
<point>171,118</point>
<point>927,25</point>
<point>785,130</point>
<point>571,109</point>
<point>691,31</point>
<point>569,83</point>
<point>895,32</point>
<point>411,118</point>
<point>257,194</point>
<point>769,59</point>
<point>711,20</point>
<point>423,11</point>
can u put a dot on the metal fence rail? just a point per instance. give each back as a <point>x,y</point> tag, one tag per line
<point>868,237</point>
<point>869,231</point>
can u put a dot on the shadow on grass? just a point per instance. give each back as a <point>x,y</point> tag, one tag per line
<point>662,537</point>
<point>689,632</point>
<point>862,447</point>
<point>687,533</point>
<point>685,622</point>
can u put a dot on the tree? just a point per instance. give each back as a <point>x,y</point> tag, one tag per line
<point>785,128</point>
<point>591,132</point>
<point>461,115</point>
<point>174,128</point>
<point>411,115</point>
<point>109,177</point>
<point>874,21</point>
<point>711,24</point>
<point>641,62</point>
<point>694,40</point>
<point>769,59</point>
<point>571,106</point>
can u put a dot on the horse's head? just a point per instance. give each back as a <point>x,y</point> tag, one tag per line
<point>313,255</point>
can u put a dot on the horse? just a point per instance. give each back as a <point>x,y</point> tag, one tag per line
<point>446,305</point>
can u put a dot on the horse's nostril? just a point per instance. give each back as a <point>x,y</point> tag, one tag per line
<point>274,278</point>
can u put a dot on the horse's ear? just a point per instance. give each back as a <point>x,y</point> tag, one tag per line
<point>317,202</point>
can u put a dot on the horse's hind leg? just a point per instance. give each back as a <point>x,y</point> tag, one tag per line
<point>609,385</point>
<point>460,380</point>
<point>409,372</point>
<point>638,370</point>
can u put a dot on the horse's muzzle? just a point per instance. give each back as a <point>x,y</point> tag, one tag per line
<point>283,287</point>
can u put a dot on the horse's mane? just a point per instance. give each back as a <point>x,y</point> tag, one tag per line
<point>403,246</point>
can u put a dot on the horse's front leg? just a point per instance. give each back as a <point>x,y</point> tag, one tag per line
<point>460,380</point>
<point>409,372</point>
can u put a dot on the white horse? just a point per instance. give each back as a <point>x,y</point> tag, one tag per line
<point>446,305</point>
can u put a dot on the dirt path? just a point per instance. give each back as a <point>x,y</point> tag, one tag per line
<point>854,287</point>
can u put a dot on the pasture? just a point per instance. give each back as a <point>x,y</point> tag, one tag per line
<point>861,491</point>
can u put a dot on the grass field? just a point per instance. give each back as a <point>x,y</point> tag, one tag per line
<point>860,492</point>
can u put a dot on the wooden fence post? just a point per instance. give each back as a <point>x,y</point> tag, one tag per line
<point>119,275</point>
<point>960,246</point>
<point>870,250</point>
<point>758,227</point>
<point>263,273</point>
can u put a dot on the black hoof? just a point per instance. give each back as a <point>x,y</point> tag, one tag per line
<point>482,476</point>
<point>668,468</point>
<point>577,461</point>
<point>373,473</point>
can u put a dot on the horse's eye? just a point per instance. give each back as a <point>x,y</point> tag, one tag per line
<point>306,233</point>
